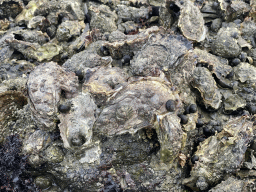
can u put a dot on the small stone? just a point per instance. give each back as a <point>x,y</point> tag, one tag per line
<point>104,50</point>
<point>218,128</point>
<point>194,159</point>
<point>184,119</point>
<point>80,75</point>
<point>170,105</point>
<point>199,123</point>
<point>207,131</point>
<point>216,24</point>
<point>87,18</point>
<point>192,108</point>
<point>126,60</point>
<point>64,108</point>
<point>155,11</point>
<point>252,109</point>
<point>243,56</point>
<point>235,61</point>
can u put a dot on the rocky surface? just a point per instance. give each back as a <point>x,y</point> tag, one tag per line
<point>127,95</point>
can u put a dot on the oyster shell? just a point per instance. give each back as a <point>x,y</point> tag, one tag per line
<point>43,52</point>
<point>45,84</point>
<point>217,65</point>
<point>36,142</point>
<point>218,156</point>
<point>191,22</point>
<point>206,85</point>
<point>105,82</point>
<point>245,72</point>
<point>120,44</point>
<point>68,29</point>
<point>133,107</point>
<point>102,14</point>
<point>225,46</point>
<point>78,123</point>
<point>170,136</point>
<point>160,52</point>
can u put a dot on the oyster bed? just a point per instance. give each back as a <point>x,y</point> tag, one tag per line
<point>129,95</point>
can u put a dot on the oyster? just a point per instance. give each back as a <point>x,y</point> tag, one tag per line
<point>160,52</point>
<point>191,22</point>
<point>217,65</point>
<point>206,85</point>
<point>127,13</point>
<point>68,29</point>
<point>245,72</point>
<point>219,156</point>
<point>133,107</point>
<point>105,82</point>
<point>45,84</point>
<point>76,126</point>
<point>31,36</point>
<point>102,14</point>
<point>36,142</point>
<point>43,52</point>
<point>170,136</point>
<point>86,59</point>
<point>225,46</point>
<point>28,12</point>
<point>120,44</point>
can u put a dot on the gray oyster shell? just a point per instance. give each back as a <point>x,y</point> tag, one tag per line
<point>45,84</point>
<point>160,52</point>
<point>133,107</point>
<point>104,82</point>
<point>191,22</point>
<point>218,156</point>
<point>78,123</point>
<point>245,72</point>
<point>102,14</point>
<point>36,51</point>
<point>68,29</point>
<point>225,46</point>
<point>206,85</point>
<point>170,136</point>
<point>120,44</point>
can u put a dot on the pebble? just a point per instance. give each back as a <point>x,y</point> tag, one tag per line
<point>170,105</point>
